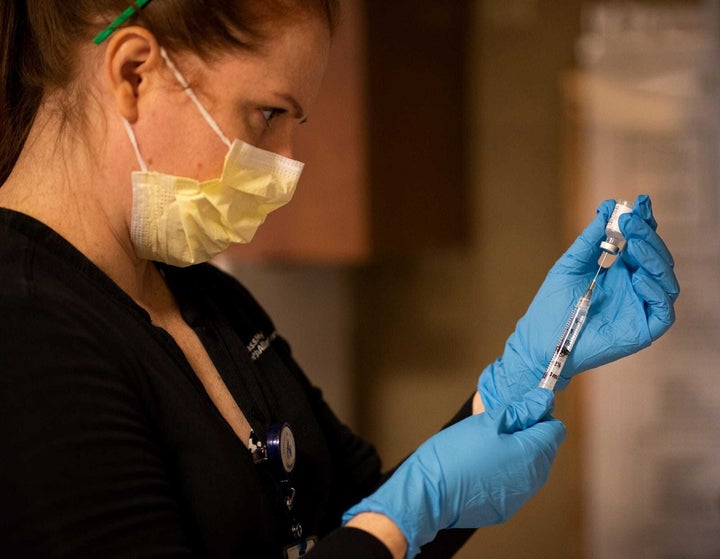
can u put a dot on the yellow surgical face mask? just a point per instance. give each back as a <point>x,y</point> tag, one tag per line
<point>183,221</point>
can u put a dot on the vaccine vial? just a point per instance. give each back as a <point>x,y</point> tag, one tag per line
<point>614,239</point>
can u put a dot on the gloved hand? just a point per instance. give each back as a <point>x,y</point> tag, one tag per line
<point>475,473</point>
<point>631,307</point>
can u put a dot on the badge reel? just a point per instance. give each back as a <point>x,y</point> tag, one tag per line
<point>280,454</point>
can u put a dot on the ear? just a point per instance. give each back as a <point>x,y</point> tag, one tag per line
<point>131,58</point>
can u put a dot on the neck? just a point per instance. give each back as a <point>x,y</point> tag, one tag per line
<point>57,181</point>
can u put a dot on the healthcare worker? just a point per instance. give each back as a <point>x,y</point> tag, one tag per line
<point>148,407</point>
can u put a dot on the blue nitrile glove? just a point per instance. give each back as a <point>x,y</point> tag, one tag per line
<point>475,473</point>
<point>631,307</point>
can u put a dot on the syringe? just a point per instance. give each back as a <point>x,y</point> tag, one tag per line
<point>612,245</point>
<point>569,335</point>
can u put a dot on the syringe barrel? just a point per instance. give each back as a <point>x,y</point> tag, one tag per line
<point>566,343</point>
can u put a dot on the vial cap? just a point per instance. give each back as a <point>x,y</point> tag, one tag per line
<point>609,247</point>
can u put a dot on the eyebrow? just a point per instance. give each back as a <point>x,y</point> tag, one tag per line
<point>298,111</point>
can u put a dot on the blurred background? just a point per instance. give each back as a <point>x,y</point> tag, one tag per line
<point>455,151</point>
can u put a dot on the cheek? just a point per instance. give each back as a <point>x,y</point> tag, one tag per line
<point>195,163</point>
<point>173,138</point>
<point>194,154</point>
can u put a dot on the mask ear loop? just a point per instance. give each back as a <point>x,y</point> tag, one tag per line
<point>191,94</point>
<point>133,141</point>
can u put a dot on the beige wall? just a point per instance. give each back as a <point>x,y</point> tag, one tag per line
<point>427,326</point>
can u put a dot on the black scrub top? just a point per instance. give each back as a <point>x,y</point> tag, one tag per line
<point>112,448</point>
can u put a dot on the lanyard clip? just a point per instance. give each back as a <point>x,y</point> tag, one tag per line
<point>279,450</point>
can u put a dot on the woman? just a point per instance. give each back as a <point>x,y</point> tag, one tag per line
<point>142,391</point>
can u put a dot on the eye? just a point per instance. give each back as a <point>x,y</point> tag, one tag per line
<point>271,113</point>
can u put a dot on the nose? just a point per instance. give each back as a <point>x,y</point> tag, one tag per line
<point>286,151</point>
<point>281,141</point>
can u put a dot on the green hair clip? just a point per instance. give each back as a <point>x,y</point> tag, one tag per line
<point>119,20</point>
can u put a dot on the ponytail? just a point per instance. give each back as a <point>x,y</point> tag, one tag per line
<point>19,101</point>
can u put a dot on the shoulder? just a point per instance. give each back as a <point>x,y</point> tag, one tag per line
<point>50,346</point>
<point>61,319</point>
<point>60,311</point>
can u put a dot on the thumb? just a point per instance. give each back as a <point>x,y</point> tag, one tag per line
<point>536,405</point>
<point>643,208</point>
<point>586,248</point>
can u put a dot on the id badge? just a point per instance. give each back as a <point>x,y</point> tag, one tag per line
<point>299,548</point>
